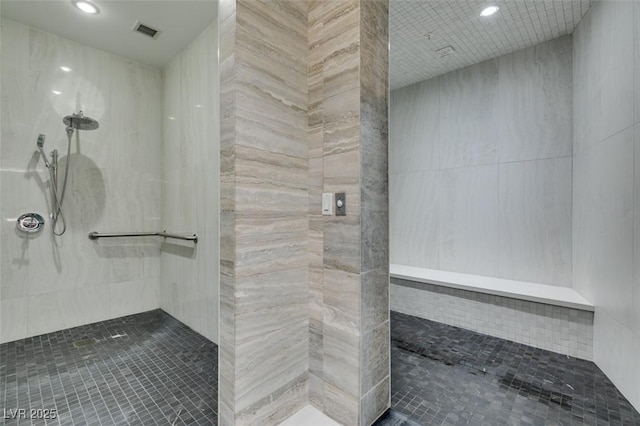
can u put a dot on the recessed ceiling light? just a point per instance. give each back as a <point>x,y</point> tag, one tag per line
<point>86,6</point>
<point>56,92</point>
<point>65,69</point>
<point>171,118</point>
<point>490,10</point>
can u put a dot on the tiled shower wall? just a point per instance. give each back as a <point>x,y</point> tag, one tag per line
<point>51,283</point>
<point>606,184</point>
<point>190,184</point>
<point>465,147</point>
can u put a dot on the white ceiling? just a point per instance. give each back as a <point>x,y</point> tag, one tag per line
<point>518,24</point>
<point>179,20</point>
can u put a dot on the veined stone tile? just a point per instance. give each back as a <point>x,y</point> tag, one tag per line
<point>341,62</point>
<point>374,298</point>
<point>374,231</point>
<point>267,181</point>
<point>374,357</point>
<point>270,301</point>
<point>374,403</point>
<point>341,115</point>
<point>342,174</point>
<point>315,186</point>
<point>316,392</point>
<point>374,179</point>
<point>340,406</point>
<point>336,17</point>
<point>316,363</point>
<point>270,242</point>
<point>342,243</point>
<point>264,365</point>
<point>341,299</point>
<point>341,360</point>
<point>278,405</point>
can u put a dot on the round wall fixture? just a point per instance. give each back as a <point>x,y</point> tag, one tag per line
<point>30,223</point>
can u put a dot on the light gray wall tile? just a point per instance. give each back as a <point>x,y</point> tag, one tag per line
<point>342,243</point>
<point>340,406</point>
<point>636,56</point>
<point>374,298</point>
<point>527,96</point>
<point>316,392</point>
<point>615,353</point>
<point>468,220</point>
<point>374,240</point>
<point>636,186</point>
<point>468,116</point>
<point>414,127</point>
<point>190,190</point>
<point>535,102</point>
<point>278,405</point>
<point>603,233</point>
<point>341,300</point>
<point>374,179</point>
<point>266,366</point>
<point>374,357</point>
<point>603,72</point>
<point>413,219</point>
<point>375,403</point>
<point>604,187</point>
<point>535,221</point>
<point>342,360</point>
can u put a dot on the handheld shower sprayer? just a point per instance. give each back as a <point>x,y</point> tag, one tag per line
<point>76,121</point>
<point>40,144</point>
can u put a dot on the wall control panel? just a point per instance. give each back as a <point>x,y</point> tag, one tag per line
<point>327,204</point>
<point>334,204</point>
<point>341,204</point>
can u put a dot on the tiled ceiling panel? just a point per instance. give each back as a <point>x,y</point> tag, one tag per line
<point>419,28</point>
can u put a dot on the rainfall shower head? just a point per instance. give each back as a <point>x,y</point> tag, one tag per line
<point>80,122</point>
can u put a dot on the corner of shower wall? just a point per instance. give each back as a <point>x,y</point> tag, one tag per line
<point>606,99</point>
<point>189,287</point>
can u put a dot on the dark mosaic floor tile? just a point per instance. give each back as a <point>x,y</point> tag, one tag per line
<point>143,369</point>
<point>444,375</point>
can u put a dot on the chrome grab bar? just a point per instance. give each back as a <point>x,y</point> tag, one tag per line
<point>165,234</point>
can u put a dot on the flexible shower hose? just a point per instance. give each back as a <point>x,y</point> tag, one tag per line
<point>53,174</point>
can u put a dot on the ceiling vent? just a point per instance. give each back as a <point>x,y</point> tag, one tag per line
<point>445,51</point>
<point>141,28</point>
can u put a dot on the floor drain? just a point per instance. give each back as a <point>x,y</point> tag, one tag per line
<point>84,342</point>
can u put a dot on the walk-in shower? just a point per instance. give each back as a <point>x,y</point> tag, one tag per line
<point>73,122</point>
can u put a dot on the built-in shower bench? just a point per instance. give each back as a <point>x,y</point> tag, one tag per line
<point>532,292</point>
<point>544,316</point>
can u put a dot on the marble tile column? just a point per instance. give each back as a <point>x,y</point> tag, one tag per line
<point>348,273</point>
<point>304,313</point>
<point>264,356</point>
